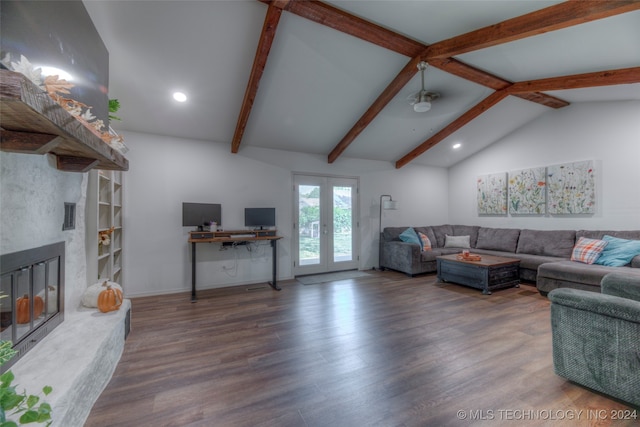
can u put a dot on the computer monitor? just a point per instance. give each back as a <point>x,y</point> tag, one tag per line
<point>199,214</point>
<point>259,218</point>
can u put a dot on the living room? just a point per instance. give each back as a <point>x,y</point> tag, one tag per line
<point>165,171</point>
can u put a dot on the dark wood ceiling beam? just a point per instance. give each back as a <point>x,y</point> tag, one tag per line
<point>385,97</point>
<point>530,90</point>
<point>452,127</point>
<point>342,21</point>
<point>541,21</point>
<point>467,72</point>
<point>259,62</point>
<point>579,81</point>
<point>439,55</point>
<point>542,99</point>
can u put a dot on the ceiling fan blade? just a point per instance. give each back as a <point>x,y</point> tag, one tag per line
<point>413,97</point>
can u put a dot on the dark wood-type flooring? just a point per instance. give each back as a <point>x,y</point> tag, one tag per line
<point>381,350</point>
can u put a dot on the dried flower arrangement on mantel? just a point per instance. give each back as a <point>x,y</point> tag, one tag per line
<point>57,88</point>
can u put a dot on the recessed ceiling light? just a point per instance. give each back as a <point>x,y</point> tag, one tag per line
<point>456,146</point>
<point>179,96</point>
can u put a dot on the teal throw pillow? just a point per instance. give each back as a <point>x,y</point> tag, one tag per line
<point>410,236</point>
<point>618,252</point>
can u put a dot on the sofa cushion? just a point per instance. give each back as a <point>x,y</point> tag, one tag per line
<point>431,255</point>
<point>456,241</point>
<point>439,232</point>
<point>623,234</point>
<point>575,272</point>
<point>587,250</point>
<point>599,234</point>
<point>410,236</point>
<point>390,234</point>
<point>557,243</point>
<point>498,239</point>
<point>467,230</point>
<point>618,252</point>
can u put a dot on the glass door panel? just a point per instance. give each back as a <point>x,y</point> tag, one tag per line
<point>326,227</point>
<point>343,224</point>
<point>309,224</point>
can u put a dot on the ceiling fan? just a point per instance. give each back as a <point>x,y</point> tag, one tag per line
<point>421,100</point>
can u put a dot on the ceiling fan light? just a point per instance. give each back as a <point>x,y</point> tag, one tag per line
<point>422,106</point>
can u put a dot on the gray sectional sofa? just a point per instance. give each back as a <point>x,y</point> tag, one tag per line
<point>545,255</point>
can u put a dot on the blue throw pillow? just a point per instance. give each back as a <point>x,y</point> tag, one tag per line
<point>410,236</point>
<point>618,252</point>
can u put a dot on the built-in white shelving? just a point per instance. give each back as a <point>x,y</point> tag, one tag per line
<point>104,215</point>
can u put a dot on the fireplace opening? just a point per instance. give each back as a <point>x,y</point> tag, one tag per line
<point>31,296</point>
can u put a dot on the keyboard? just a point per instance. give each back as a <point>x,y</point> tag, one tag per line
<point>239,236</point>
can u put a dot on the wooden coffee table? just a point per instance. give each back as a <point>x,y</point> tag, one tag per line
<point>488,274</point>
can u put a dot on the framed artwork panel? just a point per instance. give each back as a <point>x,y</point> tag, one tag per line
<point>492,194</point>
<point>527,191</point>
<point>571,188</point>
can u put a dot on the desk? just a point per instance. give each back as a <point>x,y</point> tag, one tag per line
<point>230,237</point>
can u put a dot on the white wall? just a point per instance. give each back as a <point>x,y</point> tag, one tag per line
<point>607,132</point>
<point>166,171</point>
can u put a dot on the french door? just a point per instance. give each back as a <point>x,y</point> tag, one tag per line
<point>325,224</point>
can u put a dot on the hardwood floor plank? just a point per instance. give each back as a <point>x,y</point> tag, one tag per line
<point>381,350</point>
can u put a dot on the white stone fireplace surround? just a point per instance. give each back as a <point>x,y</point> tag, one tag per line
<point>78,358</point>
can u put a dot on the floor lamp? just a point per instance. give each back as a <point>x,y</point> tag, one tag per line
<point>386,205</point>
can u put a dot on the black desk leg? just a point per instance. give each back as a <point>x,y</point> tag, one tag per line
<point>274,270</point>
<point>193,272</point>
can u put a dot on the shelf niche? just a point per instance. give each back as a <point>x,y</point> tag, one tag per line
<point>33,123</point>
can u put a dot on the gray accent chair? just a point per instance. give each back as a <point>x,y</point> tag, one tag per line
<point>596,336</point>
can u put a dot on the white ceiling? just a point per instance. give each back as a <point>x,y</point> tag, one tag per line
<point>318,81</point>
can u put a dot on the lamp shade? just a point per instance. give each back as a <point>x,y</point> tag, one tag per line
<point>390,205</point>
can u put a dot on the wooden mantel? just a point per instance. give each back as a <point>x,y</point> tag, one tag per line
<point>33,123</point>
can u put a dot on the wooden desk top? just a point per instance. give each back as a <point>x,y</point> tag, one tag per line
<point>232,236</point>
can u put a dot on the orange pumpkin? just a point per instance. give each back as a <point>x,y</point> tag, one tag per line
<point>23,309</point>
<point>110,299</point>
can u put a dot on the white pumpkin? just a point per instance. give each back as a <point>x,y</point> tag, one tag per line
<point>90,296</point>
<point>52,302</point>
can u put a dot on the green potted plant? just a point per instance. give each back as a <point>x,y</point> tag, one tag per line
<point>25,408</point>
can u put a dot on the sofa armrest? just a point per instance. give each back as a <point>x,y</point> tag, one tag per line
<point>595,341</point>
<point>401,256</point>
<point>606,305</point>
<point>621,285</point>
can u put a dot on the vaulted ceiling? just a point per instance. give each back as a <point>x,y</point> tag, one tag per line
<point>332,78</point>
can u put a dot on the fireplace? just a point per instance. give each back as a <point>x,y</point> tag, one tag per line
<point>31,297</point>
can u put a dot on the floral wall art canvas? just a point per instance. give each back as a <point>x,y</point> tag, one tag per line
<point>527,191</point>
<point>492,194</point>
<point>571,188</point>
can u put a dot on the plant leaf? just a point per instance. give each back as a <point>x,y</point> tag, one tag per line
<point>11,401</point>
<point>30,416</point>
<point>6,379</point>
<point>32,401</point>
<point>46,390</point>
<point>114,105</point>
